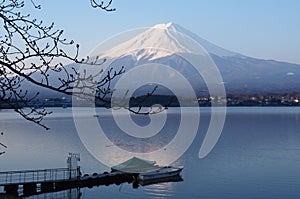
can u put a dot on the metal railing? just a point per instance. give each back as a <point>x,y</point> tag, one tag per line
<point>37,176</point>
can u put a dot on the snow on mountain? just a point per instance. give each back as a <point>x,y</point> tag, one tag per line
<point>165,36</point>
<point>150,44</point>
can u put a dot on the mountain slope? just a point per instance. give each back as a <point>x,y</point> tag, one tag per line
<point>241,74</point>
<point>209,47</point>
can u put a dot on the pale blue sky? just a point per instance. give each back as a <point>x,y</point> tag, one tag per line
<point>259,28</point>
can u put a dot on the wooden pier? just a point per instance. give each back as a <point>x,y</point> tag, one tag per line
<point>33,182</point>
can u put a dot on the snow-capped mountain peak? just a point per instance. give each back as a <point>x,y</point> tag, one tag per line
<point>164,26</point>
<point>152,43</point>
<point>164,36</point>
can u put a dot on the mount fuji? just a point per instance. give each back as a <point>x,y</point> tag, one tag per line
<point>240,73</point>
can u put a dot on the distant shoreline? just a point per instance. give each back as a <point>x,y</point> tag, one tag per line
<point>270,105</point>
<point>231,100</point>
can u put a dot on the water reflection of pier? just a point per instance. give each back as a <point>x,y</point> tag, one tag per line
<point>66,194</point>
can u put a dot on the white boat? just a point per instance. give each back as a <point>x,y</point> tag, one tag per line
<point>162,172</point>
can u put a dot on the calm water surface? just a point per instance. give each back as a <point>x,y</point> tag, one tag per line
<point>257,155</point>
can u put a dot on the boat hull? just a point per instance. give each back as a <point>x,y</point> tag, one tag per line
<point>166,172</point>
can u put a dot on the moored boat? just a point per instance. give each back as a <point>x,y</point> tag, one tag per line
<point>162,172</point>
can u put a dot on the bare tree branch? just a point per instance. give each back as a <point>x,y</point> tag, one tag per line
<point>34,52</point>
<point>102,5</point>
<point>31,51</point>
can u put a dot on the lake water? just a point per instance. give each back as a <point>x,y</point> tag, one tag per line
<point>257,155</point>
